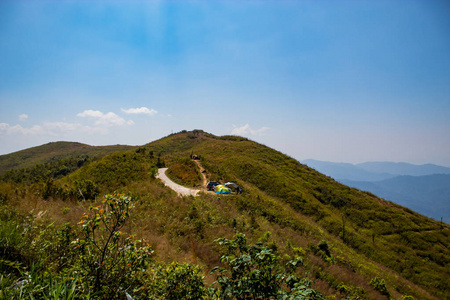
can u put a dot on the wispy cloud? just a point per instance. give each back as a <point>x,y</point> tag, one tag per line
<point>63,128</point>
<point>5,128</point>
<point>141,110</point>
<point>23,117</point>
<point>101,119</point>
<point>247,130</point>
<point>47,128</point>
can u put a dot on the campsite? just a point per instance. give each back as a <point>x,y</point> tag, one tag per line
<point>226,188</point>
<point>176,179</point>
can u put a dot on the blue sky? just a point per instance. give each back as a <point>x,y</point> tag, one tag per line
<point>344,81</point>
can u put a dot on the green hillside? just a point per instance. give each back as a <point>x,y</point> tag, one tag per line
<point>353,244</point>
<point>387,233</point>
<point>52,152</point>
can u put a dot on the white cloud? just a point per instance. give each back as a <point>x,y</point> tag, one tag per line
<point>247,130</point>
<point>18,129</point>
<point>90,113</point>
<point>109,119</point>
<point>63,128</point>
<point>101,124</point>
<point>3,127</point>
<point>51,129</point>
<point>141,110</point>
<point>23,117</point>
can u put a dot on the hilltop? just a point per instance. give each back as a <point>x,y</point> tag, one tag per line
<point>349,239</point>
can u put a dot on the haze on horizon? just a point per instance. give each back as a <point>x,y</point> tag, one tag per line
<point>347,81</point>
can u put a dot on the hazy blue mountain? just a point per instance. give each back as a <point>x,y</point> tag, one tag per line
<point>373,171</point>
<point>345,171</point>
<point>428,195</point>
<point>403,168</point>
<point>422,188</point>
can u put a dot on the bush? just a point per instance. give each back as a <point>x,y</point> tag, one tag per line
<point>323,246</point>
<point>254,272</point>
<point>107,258</point>
<point>175,281</point>
<point>86,189</point>
<point>380,285</point>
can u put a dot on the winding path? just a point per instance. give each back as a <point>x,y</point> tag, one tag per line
<point>202,172</point>
<point>181,190</point>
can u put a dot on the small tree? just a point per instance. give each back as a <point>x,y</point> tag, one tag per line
<point>254,272</point>
<point>108,258</point>
<point>86,189</point>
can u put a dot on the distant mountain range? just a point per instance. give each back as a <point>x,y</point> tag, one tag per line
<point>422,188</point>
<point>373,171</point>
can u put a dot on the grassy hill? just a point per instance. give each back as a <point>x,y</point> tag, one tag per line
<point>354,244</point>
<point>52,152</point>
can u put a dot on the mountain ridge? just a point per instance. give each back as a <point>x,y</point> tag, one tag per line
<point>402,168</point>
<point>374,170</point>
<point>53,151</point>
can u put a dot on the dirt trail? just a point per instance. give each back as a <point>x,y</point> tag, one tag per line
<point>181,190</point>
<point>202,172</point>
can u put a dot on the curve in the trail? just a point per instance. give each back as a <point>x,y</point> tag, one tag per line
<point>181,190</point>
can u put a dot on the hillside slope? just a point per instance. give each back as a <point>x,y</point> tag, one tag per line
<point>422,188</point>
<point>349,239</point>
<point>51,152</point>
<point>385,232</point>
<point>429,194</point>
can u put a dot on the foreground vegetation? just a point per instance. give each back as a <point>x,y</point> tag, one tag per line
<point>99,261</point>
<point>353,245</point>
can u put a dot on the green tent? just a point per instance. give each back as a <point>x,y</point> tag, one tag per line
<point>220,189</point>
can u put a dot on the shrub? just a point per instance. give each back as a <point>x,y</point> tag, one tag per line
<point>175,281</point>
<point>322,249</point>
<point>323,246</point>
<point>254,272</point>
<point>352,292</point>
<point>108,259</point>
<point>380,285</point>
<point>87,189</point>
